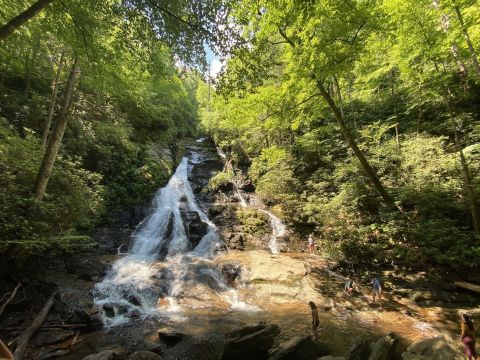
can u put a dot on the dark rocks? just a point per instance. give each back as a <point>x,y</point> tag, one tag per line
<point>250,342</point>
<point>247,187</point>
<point>144,355</point>
<point>299,348</point>
<point>195,227</point>
<point>216,209</point>
<point>109,310</point>
<point>50,337</point>
<point>358,350</point>
<point>170,337</point>
<point>89,269</point>
<point>382,348</point>
<point>231,272</point>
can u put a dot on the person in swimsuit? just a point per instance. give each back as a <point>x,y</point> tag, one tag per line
<point>468,337</point>
<point>315,318</point>
<point>377,290</point>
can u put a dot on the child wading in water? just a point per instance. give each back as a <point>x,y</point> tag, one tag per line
<point>315,319</point>
<point>468,337</point>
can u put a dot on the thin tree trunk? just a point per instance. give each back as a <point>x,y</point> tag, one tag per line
<point>467,178</point>
<point>24,340</point>
<point>53,100</point>
<point>339,95</point>
<point>473,55</point>
<point>353,145</point>
<point>56,137</point>
<point>22,18</point>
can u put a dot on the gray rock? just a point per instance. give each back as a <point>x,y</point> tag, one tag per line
<point>144,355</point>
<point>215,210</point>
<point>329,357</point>
<point>439,348</point>
<point>358,350</point>
<point>299,348</point>
<point>195,227</point>
<point>250,342</point>
<point>50,337</point>
<point>103,355</point>
<point>170,337</point>
<point>382,349</point>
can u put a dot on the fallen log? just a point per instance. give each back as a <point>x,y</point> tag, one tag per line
<point>10,298</point>
<point>468,286</point>
<point>24,339</point>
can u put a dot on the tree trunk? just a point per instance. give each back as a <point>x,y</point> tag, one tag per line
<point>353,145</point>
<point>473,55</point>
<point>24,339</point>
<point>53,100</point>
<point>22,18</point>
<point>56,137</point>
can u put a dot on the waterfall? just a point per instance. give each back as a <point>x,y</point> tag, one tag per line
<point>137,283</point>
<point>278,230</point>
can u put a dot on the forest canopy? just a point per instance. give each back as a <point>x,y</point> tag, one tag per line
<point>357,120</point>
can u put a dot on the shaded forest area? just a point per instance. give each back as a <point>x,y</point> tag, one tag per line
<point>91,93</point>
<point>359,121</point>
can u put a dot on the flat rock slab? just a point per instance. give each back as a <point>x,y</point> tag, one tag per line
<point>438,348</point>
<point>299,348</point>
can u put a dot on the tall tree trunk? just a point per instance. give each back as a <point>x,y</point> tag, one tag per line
<point>467,178</point>
<point>353,145</point>
<point>53,100</point>
<point>473,55</point>
<point>22,18</point>
<point>56,137</point>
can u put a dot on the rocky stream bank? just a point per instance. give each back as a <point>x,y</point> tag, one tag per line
<point>262,311</point>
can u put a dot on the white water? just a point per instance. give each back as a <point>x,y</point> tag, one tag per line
<point>138,285</point>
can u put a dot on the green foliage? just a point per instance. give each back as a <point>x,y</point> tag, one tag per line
<point>254,222</point>
<point>219,180</point>
<point>74,197</point>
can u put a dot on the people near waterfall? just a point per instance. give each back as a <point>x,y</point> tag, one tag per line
<point>468,336</point>
<point>377,290</point>
<point>315,318</point>
<point>350,286</point>
<point>311,244</point>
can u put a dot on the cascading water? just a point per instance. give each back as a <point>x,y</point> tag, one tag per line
<point>138,285</point>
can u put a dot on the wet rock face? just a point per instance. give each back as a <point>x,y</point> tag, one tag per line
<point>104,355</point>
<point>232,273</point>
<point>194,227</point>
<point>250,342</point>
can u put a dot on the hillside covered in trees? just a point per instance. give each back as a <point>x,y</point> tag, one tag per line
<point>359,121</point>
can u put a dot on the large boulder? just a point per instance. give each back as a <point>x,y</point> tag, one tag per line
<point>216,209</point>
<point>438,348</point>
<point>195,227</point>
<point>170,337</point>
<point>144,355</point>
<point>358,350</point>
<point>382,348</point>
<point>299,348</point>
<point>250,342</point>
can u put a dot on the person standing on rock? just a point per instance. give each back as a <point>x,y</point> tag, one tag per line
<point>468,337</point>
<point>315,318</point>
<point>377,290</point>
<point>311,244</point>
